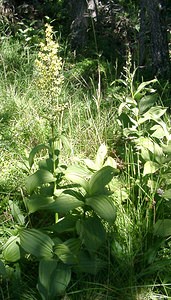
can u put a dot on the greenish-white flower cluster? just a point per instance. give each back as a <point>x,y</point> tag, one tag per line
<point>49,77</point>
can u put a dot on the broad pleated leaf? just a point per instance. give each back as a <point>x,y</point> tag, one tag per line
<point>167,148</point>
<point>65,254</point>
<point>146,102</point>
<point>143,85</point>
<point>90,164</point>
<point>154,113</point>
<point>100,179</point>
<point>34,151</point>
<point>100,156</point>
<point>64,204</point>
<point>46,164</point>
<point>159,132</point>
<point>38,202</point>
<point>103,206</point>
<point>150,167</point>
<point>91,232</point>
<point>46,270</point>
<point>167,194</point>
<point>163,228</point>
<point>37,179</point>
<point>88,263</point>
<point>67,224</point>
<point>36,243</point>
<point>78,174</point>
<point>16,213</point>
<point>110,161</point>
<point>54,278</point>
<point>11,249</point>
<point>74,244</point>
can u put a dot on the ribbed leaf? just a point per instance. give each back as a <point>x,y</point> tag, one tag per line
<point>163,228</point>
<point>146,102</point>
<point>36,243</point>
<point>64,204</point>
<point>78,174</point>
<point>64,254</point>
<point>53,279</point>
<point>46,164</point>
<point>100,179</point>
<point>167,194</point>
<point>34,151</point>
<point>11,249</point>
<point>100,156</point>
<point>90,164</point>
<point>37,179</point>
<point>67,224</point>
<point>74,244</point>
<point>88,264</point>
<point>103,206</point>
<point>38,202</point>
<point>143,85</point>
<point>150,167</point>
<point>16,213</point>
<point>91,232</point>
<point>154,113</point>
<point>46,270</point>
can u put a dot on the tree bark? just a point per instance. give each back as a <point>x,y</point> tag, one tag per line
<point>153,28</point>
<point>79,24</point>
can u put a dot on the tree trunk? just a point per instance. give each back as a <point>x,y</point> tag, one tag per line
<point>79,24</point>
<point>153,28</point>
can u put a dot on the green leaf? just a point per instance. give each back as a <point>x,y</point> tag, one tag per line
<point>64,204</point>
<point>100,179</point>
<point>167,194</point>
<point>34,151</point>
<point>154,113</point>
<point>46,271</point>
<point>46,164</point>
<point>36,243</point>
<point>3,272</point>
<point>88,263</point>
<point>64,254</point>
<point>91,232</point>
<point>110,161</point>
<point>67,224</point>
<point>11,249</point>
<point>159,132</point>
<point>103,206</point>
<point>167,148</point>
<point>38,202</point>
<point>37,179</point>
<point>16,213</point>
<point>150,167</point>
<point>53,279</point>
<point>125,120</point>
<point>163,228</point>
<point>78,174</point>
<point>100,156</point>
<point>74,244</point>
<point>90,164</point>
<point>146,102</point>
<point>143,85</point>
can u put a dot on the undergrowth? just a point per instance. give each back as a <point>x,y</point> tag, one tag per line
<point>79,116</point>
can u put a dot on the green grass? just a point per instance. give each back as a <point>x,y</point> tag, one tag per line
<point>137,268</point>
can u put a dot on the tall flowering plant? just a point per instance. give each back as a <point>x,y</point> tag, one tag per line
<point>49,78</point>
